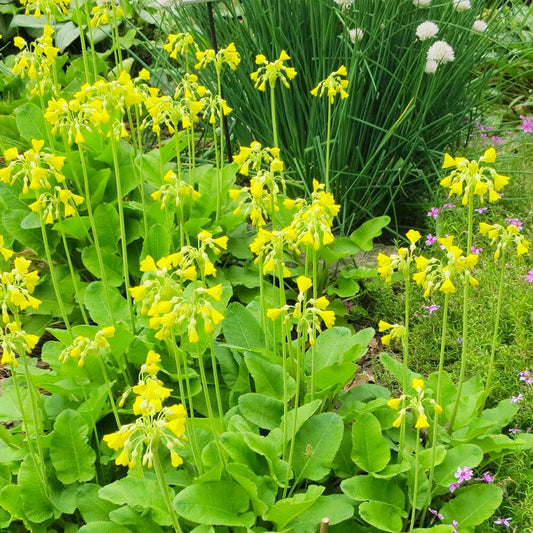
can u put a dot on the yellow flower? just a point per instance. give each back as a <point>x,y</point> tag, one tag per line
<point>304,283</point>
<point>273,313</point>
<point>270,72</point>
<point>413,236</point>
<point>394,403</point>
<point>333,85</point>
<point>447,287</point>
<point>422,422</point>
<point>417,384</point>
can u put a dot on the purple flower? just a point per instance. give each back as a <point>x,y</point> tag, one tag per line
<point>481,210</point>
<point>448,206</point>
<point>486,477</point>
<point>496,140</point>
<point>431,308</point>
<point>527,124</point>
<point>514,431</point>
<point>348,305</point>
<point>454,486</point>
<point>434,212</point>
<point>529,276</point>
<point>525,375</point>
<point>432,240</point>
<point>476,251</point>
<point>454,525</point>
<point>459,340</point>
<point>503,521</point>
<point>516,399</point>
<point>436,514</point>
<point>464,474</point>
<point>514,222</point>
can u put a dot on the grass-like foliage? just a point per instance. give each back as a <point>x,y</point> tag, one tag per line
<point>401,112</point>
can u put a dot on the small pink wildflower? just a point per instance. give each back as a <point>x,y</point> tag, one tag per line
<point>529,276</point>
<point>464,474</point>
<point>527,124</point>
<point>481,210</point>
<point>525,375</point>
<point>436,514</point>
<point>514,222</point>
<point>348,305</point>
<point>514,431</point>
<point>454,486</point>
<point>431,308</point>
<point>496,140</point>
<point>486,477</point>
<point>516,399</point>
<point>503,521</point>
<point>448,206</point>
<point>476,251</point>
<point>454,525</point>
<point>430,239</point>
<point>434,212</point>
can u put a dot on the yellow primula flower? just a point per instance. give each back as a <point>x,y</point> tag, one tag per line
<point>335,84</point>
<point>270,72</point>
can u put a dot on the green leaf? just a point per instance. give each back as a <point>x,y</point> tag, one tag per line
<point>30,122</point>
<point>316,445</point>
<point>157,242</point>
<point>71,455</point>
<point>396,368</point>
<point>371,449</point>
<point>263,411</point>
<point>105,307</point>
<point>215,503</point>
<point>473,505</point>
<point>112,265</point>
<point>269,377</point>
<point>460,456</point>
<point>332,379</point>
<point>35,502</point>
<point>286,510</point>
<point>91,506</point>
<point>361,488</point>
<point>336,507</point>
<point>30,238</point>
<point>241,329</point>
<point>103,527</point>
<point>367,232</point>
<point>107,226</point>
<point>303,413</point>
<point>66,35</point>
<point>382,515</point>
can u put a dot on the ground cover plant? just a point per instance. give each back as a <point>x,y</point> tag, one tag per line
<point>188,313</point>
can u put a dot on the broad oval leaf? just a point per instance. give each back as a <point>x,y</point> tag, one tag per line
<point>382,515</point>
<point>370,450</point>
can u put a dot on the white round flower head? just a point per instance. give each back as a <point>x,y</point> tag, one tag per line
<point>461,5</point>
<point>479,25</point>
<point>356,35</point>
<point>422,3</point>
<point>426,30</point>
<point>431,66</point>
<point>440,52</point>
<point>345,4</point>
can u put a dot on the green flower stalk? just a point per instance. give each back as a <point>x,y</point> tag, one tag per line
<point>335,84</point>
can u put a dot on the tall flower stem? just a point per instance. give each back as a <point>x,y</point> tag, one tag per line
<point>273,116</point>
<point>125,269</point>
<point>53,276</point>
<point>415,488</point>
<point>438,400</point>
<point>499,301</point>
<point>83,44</point>
<point>165,491</point>
<point>328,142</point>
<point>405,349</point>
<point>109,391</point>
<point>466,291</point>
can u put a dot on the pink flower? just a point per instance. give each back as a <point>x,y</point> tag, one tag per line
<point>514,431</point>
<point>434,212</point>
<point>431,308</point>
<point>503,521</point>
<point>432,240</point>
<point>514,222</point>
<point>464,474</point>
<point>481,210</point>
<point>516,399</point>
<point>436,514</point>
<point>527,124</point>
<point>486,477</point>
<point>454,486</point>
<point>529,276</point>
<point>454,525</point>
<point>496,140</point>
<point>448,206</point>
<point>476,251</point>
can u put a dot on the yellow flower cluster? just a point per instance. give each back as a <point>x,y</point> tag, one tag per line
<point>178,43</point>
<point>313,220</point>
<point>12,339</point>
<point>503,237</point>
<point>474,178</point>
<point>48,7</point>
<point>255,157</point>
<point>17,286</point>
<point>335,84</point>
<point>155,424</point>
<point>82,346</point>
<point>434,275</point>
<point>306,313</point>
<point>174,190</point>
<point>104,12</point>
<point>228,56</point>
<point>397,332</point>
<point>50,204</point>
<point>399,261</point>
<point>270,245</point>
<point>272,71</point>
<point>415,405</point>
<point>36,60</point>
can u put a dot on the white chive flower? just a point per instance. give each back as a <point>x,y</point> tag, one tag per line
<point>356,35</point>
<point>426,30</point>
<point>479,25</point>
<point>440,52</point>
